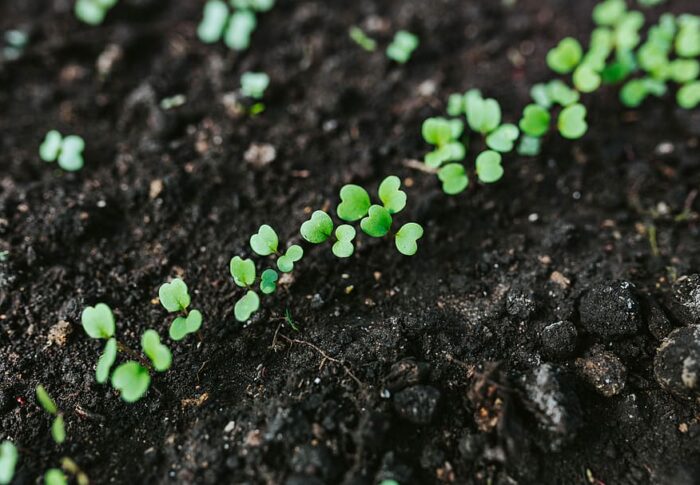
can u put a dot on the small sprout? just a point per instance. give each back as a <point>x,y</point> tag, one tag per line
<point>354,203</point>
<point>183,326</point>
<point>58,428</point>
<point>609,12</point>
<point>454,178</point>
<point>402,46</point>
<point>529,146</point>
<point>317,229</point>
<point>106,361</point>
<point>488,167</point>
<point>254,84</point>
<point>391,195</point>
<point>343,247</point>
<point>627,31</point>
<point>634,92</point>
<point>55,476</point>
<point>565,56</point>
<point>377,222</point>
<point>586,79</point>
<point>160,355</point>
<point>559,93</point>
<point>688,96</point>
<point>688,38</point>
<point>483,115</point>
<point>535,121</point>
<point>131,379</point>
<point>265,242</point>
<point>15,42</point>
<point>407,237</point>
<point>455,104</point>
<point>8,462</point>
<point>212,26</point>
<point>268,281</point>
<point>174,296</point>
<point>286,262</point>
<point>67,151</point>
<point>93,12</point>
<point>444,134</point>
<point>239,30</point>
<point>243,271</point>
<point>173,102</point>
<point>620,68</point>
<point>98,321</point>
<point>246,306</point>
<point>502,139</point>
<point>684,70</point>
<point>572,121</point>
<point>362,39</point>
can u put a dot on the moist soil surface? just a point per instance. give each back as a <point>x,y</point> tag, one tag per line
<point>517,346</point>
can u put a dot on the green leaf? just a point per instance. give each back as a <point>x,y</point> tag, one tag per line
<point>586,79</point>
<point>89,11</point>
<point>58,430</point>
<point>8,462</point>
<point>454,178</point>
<point>354,203</point>
<point>609,12</point>
<point>393,198</point>
<point>160,355</point>
<point>561,94</point>
<point>540,95</point>
<point>572,122</point>
<point>565,56</point>
<point>684,70</point>
<point>212,26</point>
<point>688,38</point>
<point>54,476</point>
<point>627,31</point>
<point>535,121</point>
<point>455,104</point>
<point>106,361</point>
<point>483,115</point>
<point>265,242</point>
<point>362,39</point>
<point>502,139</point>
<point>254,84</point>
<point>317,229</point>
<point>71,157</point>
<point>98,321</point>
<point>437,131</point>
<point>529,146</point>
<point>407,237</point>
<point>51,146</point>
<point>377,223</point>
<point>131,379</point>
<point>246,306</point>
<point>45,400</point>
<point>183,326</point>
<point>343,247</point>
<point>174,296</point>
<point>620,69</point>
<point>240,28</point>
<point>243,271</point>
<point>688,96</point>
<point>268,281</point>
<point>286,262</point>
<point>488,167</point>
<point>402,46</point>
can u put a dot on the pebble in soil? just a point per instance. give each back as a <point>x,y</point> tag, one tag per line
<point>559,340</point>
<point>611,309</point>
<point>677,362</point>
<point>603,371</point>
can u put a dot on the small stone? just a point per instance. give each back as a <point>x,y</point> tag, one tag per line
<point>58,334</point>
<point>686,292</point>
<point>559,340</point>
<point>406,372</point>
<point>611,309</point>
<point>603,371</point>
<point>417,404</point>
<point>677,362</point>
<point>657,321</point>
<point>260,155</point>
<point>521,303</point>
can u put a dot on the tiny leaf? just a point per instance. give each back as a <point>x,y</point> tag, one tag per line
<point>286,262</point>
<point>488,167</point>
<point>174,296</point>
<point>454,178</point>
<point>407,237</point>
<point>246,306</point>
<point>268,281</point>
<point>393,198</point>
<point>317,229</point>
<point>265,242</point>
<point>243,271</point>
<point>377,223</point>
<point>45,400</point>
<point>106,361</point>
<point>572,122</point>
<point>131,379</point>
<point>159,354</point>
<point>354,203</point>
<point>343,247</point>
<point>98,321</point>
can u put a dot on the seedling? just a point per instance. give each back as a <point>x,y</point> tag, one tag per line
<point>454,178</point>
<point>535,121</point>
<point>688,96</point>
<point>444,134</point>
<point>8,462</point>
<point>688,38</point>
<point>377,222</point>
<point>131,379</point>
<point>235,28</point>
<point>483,115</point>
<point>488,167</point>
<point>634,92</point>
<point>363,40</point>
<point>254,84</point>
<point>266,242</point>
<point>67,151</point>
<point>93,12</point>
<point>503,138</point>
<point>343,247</point>
<point>175,298</point>
<point>55,476</point>
<point>565,56</point>
<point>402,47</point>
<point>58,429</point>
<point>317,229</point>
<point>407,237</point>
<point>572,121</point>
<point>609,12</point>
<point>160,355</point>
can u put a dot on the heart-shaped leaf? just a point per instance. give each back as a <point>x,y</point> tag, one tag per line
<point>377,223</point>
<point>572,122</point>
<point>565,56</point>
<point>343,247</point>
<point>609,12</point>
<point>8,461</point>
<point>286,262</point>
<point>183,326</point>
<point>243,271</point>
<point>488,167</point>
<point>268,281</point>
<point>437,131</point>
<point>265,242</point>
<point>131,379</point>
<point>535,121</point>
<point>586,79</point>
<point>174,296</point>
<point>58,430</point>
<point>246,306</point>
<point>354,203</point>
<point>562,94</point>
<point>402,46</point>
<point>55,476</point>
<point>241,25</point>
<point>393,198</point>
<point>160,355</point>
<point>106,361</point>
<point>51,146</point>
<point>45,400</point>
<point>454,178</point>
<point>453,151</point>
<point>688,97</point>
<point>540,95</point>
<point>407,237</point>
<point>98,321</point>
<point>455,104</point>
<point>317,229</point>
<point>71,156</point>
<point>503,138</point>
<point>211,28</point>
<point>90,12</point>
<point>483,115</point>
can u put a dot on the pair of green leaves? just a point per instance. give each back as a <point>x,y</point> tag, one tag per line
<point>401,48</point>
<point>688,96</point>
<point>571,122</point>
<point>244,275</point>
<point>58,429</point>
<point>8,462</point>
<point>484,116</point>
<point>688,38</point>
<point>355,202</point>
<point>444,134</point>
<point>67,151</point>
<point>635,91</point>
<point>235,29</point>
<point>266,242</point>
<point>254,84</point>
<point>98,323</point>
<point>93,12</point>
<point>175,297</point>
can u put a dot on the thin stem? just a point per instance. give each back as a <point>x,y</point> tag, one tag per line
<point>134,355</point>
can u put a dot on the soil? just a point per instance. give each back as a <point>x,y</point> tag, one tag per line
<point>500,354</point>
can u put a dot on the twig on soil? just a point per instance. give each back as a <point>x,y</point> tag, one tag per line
<point>418,165</point>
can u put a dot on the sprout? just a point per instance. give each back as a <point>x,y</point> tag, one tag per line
<point>407,237</point>
<point>285,263</point>
<point>360,38</point>
<point>183,326</point>
<point>317,229</point>
<point>377,222</point>
<point>444,134</point>
<point>268,281</point>
<point>354,203</point>
<point>535,121</point>
<point>454,178</point>
<point>559,93</point>
<point>627,31</point>
<point>55,476</point>
<point>174,296</point>
<point>240,28</point>
<point>619,69</point>
<point>58,428</point>
<point>402,46</point>
<point>212,26</point>
<point>131,379</point>
<point>488,167</point>
<point>343,247</point>
<point>235,29</point>
<point>455,104</point>
<point>254,84</point>
<point>502,139</point>
<point>68,151</point>
<point>160,355</point>
<point>572,121</point>
<point>93,12</point>
<point>8,461</point>
<point>684,70</point>
<point>688,38</point>
<point>565,56</point>
<point>586,79</point>
<point>634,92</point>
<point>98,321</point>
<point>688,96</point>
<point>483,115</point>
<point>265,242</point>
<point>609,12</point>
<point>243,271</point>
<point>391,195</point>
<point>246,306</point>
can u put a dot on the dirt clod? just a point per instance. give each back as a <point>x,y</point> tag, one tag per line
<point>417,404</point>
<point>611,309</point>
<point>677,362</point>
<point>603,371</point>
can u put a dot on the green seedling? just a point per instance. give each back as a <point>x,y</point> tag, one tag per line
<point>317,229</point>
<point>98,321</point>
<point>93,12</point>
<point>565,56</point>
<point>174,296</point>
<point>684,70</point>
<point>8,462</point>
<point>688,38</point>
<point>268,281</point>
<point>586,79</point>
<point>363,40</point>
<point>234,28</point>
<point>609,12</point>
<point>483,115</point>
<point>67,151</point>
<point>503,138</point>
<point>488,167</point>
<point>688,96</point>
<point>391,195</point>
<point>106,361</point>
<point>535,121</point>
<point>343,247</point>
<point>634,92</point>
<point>354,203</point>
<point>254,84</point>
<point>626,33</point>
<point>377,222</point>
<point>572,121</point>
<point>159,354</point>
<point>243,271</point>
<point>454,178</point>
<point>402,47</point>
<point>58,428</point>
<point>55,476</point>
<point>444,134</point>
<point>212,26</point>
<point>285,263</point>
<point>407,237</point>
<point>131,379</point>
<point>265,242</point>
<point>15,42</point>
<point>246,306</point>
<point>455,104</point>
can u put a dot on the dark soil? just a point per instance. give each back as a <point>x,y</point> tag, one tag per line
<point>451,366</point>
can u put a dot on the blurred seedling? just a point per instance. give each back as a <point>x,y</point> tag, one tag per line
<point>68,151</point>
<point>234,27</point>
<point>253,86</point>
<point>8,462</point>
<point>93,12</point>
<point>58,429</point>
<point>363,40</point>
<point>15,42</point>
<point>401,48</point>
<point>175,298</point>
